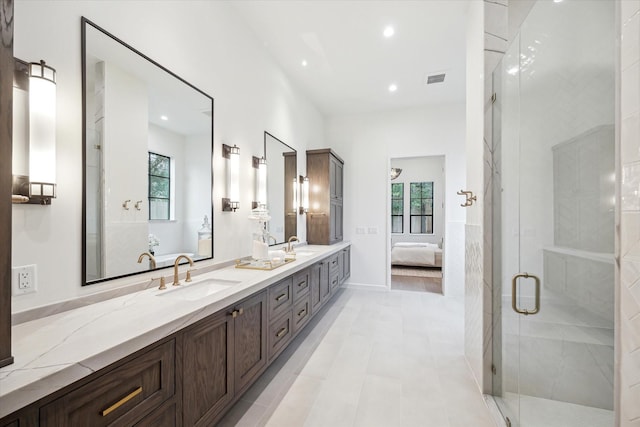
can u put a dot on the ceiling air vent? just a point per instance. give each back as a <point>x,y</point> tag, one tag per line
<point>435,78</point>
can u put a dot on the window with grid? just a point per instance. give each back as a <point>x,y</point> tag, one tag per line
<point>421,208</point>
<point>159,186</point>
<point>397,207</point>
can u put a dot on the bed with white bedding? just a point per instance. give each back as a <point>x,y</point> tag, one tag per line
<point>416,254</point>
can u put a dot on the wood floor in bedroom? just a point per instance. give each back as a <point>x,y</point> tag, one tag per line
<point>417,279</point>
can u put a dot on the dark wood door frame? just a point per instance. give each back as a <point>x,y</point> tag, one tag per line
<point>6,121</point>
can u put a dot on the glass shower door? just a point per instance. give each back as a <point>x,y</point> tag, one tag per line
<point>555,152</point>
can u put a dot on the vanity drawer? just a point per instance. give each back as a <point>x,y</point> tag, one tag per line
<point>120,397</point>
<point>301,285</point>
<point>334,281</point>
<point>333,264</point>
<point>301,314</point>
<point>280,297</point>
<point>279,334</point>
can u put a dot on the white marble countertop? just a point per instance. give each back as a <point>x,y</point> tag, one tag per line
<point>55,351</point>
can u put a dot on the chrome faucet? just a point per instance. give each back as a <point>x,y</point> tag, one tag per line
<point>176,280</point>
<point>291,239</point>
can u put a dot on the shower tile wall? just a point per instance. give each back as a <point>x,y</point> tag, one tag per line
<point>630,215</point>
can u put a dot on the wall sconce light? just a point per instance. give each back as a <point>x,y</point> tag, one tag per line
<point>304,190</point>
<point>260,165</point>
<point>294,188</point>
<point>232,202</point>
<point>39,80</point>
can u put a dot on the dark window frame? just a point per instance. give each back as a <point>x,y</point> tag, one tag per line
<point>401,200</point>
<point>422,203</point>
<point>162,177</point>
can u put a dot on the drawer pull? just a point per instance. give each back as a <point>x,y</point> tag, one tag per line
<point>301,312</point>
<point>121,402</point>
<point>281,297</point>
<point>281,332</point>
<point>302,284</point>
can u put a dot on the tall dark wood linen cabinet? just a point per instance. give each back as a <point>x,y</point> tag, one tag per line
<point>325,217</point>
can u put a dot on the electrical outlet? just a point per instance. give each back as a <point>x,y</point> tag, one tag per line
<point>23,279</point>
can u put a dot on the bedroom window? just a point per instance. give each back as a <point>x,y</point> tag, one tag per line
<point>159,186</point>
<point>421,208</point>
<point>397,207</point>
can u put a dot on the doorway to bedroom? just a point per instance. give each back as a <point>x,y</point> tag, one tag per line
<point>416,218</point>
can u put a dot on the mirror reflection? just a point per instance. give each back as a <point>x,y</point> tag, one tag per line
<point>281,175</point>
<point>147,155</point>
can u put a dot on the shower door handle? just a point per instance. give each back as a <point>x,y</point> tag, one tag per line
<point>514,293</point>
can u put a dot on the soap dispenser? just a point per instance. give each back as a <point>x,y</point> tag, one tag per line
<point>204,239</point>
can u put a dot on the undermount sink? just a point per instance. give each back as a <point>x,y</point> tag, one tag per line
<point>197,290</point>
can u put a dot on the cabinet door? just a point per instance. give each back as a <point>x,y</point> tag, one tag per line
<point>337,177</point>
<point>250,340</point>
<point>121,396</point>
<point>325,288</point>
<point>332,181</point>
<point>314,281</point>
<point>345,265</point>
<point>207,369</point>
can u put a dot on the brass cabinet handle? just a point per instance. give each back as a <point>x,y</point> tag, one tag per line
<point>281,332</point>
<point>304,282</point>
<point>235,313</point>
<point>514,293</point>
<point>121,402</point>
<point>281,297</point>
<point>301,312</point>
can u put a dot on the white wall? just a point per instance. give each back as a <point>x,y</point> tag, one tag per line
<point>421,169</point>
<point>367,142</point>
<point>207,45</point>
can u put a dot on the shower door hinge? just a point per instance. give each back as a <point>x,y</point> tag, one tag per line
<point>507,421</point>
<point>494,370</point>
<point>493,97</point>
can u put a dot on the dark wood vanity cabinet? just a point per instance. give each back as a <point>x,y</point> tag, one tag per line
<point>325,216</point>
<point>194,376</point>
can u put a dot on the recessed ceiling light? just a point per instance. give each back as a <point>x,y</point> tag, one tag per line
<point>304,62</point>
<point>388,31</point>
<point>557,1</point>
<point>165,118</point>
<point>393,87</point>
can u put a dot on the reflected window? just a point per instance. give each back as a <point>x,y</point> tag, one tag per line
<point>159,186</point>
<point>421,202</point>
<point>397,207</point>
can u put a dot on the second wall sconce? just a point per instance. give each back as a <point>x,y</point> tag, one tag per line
<point>39,81</point>
<point>470,198</point>
<point>232,201</point>
<point>304,190</point>
<point>260,165</point>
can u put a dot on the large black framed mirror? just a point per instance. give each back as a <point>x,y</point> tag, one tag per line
<point>281,174</point>
<point>147,157</point>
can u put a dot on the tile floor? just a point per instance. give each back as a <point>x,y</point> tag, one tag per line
<point>371,358</point>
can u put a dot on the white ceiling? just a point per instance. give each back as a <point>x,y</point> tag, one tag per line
<point>351,64</point>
